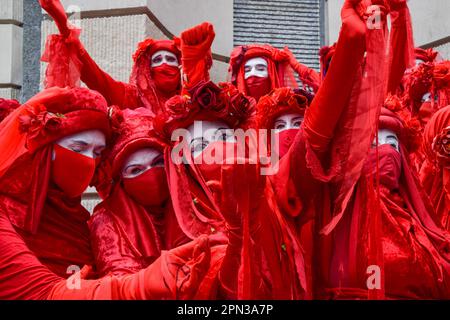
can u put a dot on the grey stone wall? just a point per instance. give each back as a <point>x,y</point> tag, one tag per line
<point>292,23</point>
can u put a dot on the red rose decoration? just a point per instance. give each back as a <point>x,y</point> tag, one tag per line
<point>178,107</point>
<point>39,122</point>
<point>206,95</point>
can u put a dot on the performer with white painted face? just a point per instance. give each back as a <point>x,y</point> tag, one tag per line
<point>156,73</point>
<point>50,147</point>
<point>135,221</point>
<point>257,69</point>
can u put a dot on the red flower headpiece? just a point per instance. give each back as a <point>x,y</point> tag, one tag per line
<point>150,46</point>
<point>207,101</point>
<point>58,112</point>
<point>278,102</point>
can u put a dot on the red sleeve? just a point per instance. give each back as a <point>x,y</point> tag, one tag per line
<point>22,276</point>
<point>111,252</point>
<point>334,94</point>
<point>196,57</point>
<point>402,47</point>
<point>115,92</point>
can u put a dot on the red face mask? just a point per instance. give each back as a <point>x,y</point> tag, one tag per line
<point>167,78</point>
<point>285,140</point>
<point>72,171</point>
<point>390,165</point>
<point>258,86</point>
<point>148,189</point>
<point>213,157</point>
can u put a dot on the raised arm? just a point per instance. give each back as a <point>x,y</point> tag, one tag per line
<point>334,94</point>
<point>401,43</point>
<point>115,92</point>
<point>195,46</point>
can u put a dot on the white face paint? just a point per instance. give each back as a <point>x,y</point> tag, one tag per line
<point>142,160</point>
<point>89,143</point>
<point>203,133</point>
<point>256,67</point>
<point>386,136</point>
<point>164,56</point>
<point>288,121</point>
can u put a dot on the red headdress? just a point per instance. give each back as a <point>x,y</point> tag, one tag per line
<point>26,144</point>
<point>7,106</point>
<point>207,101</point>
<point>428,77</point>
<point>279,69</point>
<point>426,55</point>
<point>278,102</point>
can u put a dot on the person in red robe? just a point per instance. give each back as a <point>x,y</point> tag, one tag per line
<point>155,76</point>
<point>50,147</point>
<point>214,189</point>
<point>135,221</point>
<point>387,245</point>
<point>435,174</point>
<point>257,69</point>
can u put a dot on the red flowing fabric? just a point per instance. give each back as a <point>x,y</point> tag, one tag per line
<point>434,174</point>
<point>411,244</point>
<point>402,44</point>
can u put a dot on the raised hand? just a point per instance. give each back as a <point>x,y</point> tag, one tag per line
<point>202,34</point>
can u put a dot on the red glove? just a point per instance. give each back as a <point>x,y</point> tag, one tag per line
<point>195,45</point>
<point>175,275</point>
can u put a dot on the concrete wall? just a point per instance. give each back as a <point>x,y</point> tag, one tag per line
<point>11,33</point>
<point>431,24</point>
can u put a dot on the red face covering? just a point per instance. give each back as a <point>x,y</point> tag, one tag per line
<point>285,140</point>
<point>167,78</point>
<point>216,154</point>
<point>258,86</point>
<point>390,164</point>
<point>148,189</point>
<point>72,171</point>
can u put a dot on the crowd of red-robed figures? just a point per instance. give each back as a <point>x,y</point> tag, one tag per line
<point>359,207</point>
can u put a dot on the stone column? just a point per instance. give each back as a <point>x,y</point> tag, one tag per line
<point>11,32</point>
